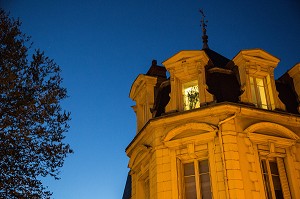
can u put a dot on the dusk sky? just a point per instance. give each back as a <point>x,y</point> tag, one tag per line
<point>102,46</point>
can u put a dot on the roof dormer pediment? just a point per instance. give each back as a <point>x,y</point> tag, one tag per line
<point>186,56</point>
<point>257,56</point>
<point>140,83</point>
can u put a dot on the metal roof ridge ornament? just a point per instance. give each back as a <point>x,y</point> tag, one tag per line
<point>204,25</point>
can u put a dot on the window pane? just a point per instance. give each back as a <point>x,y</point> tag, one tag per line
<point>262,95</point>
<point>259,81</point>
<point>189,169</point>
<point>266,179</point>
<point>203,166</point>
<point>274,168</point>
<point>276,180</point>
<point>205,186</point>
<point>190,92</point>
<point>253,93</point>
<point>258,92</point>
<point>205,179</point>
<point>264,166</point>
<point>190,188</point>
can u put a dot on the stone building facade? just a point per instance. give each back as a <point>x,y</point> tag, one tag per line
<point>215,128</point>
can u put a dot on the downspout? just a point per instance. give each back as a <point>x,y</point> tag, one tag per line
<point>222,151</point>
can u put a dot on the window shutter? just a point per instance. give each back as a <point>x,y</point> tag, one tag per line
<point>283,179</point>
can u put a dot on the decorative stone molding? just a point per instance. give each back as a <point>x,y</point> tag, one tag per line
<point>138,154</point>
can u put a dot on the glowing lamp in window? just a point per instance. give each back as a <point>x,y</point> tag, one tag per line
<point>190,94</point>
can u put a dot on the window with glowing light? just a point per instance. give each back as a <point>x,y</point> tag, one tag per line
<point>190,92</point>
<point>259,92</point>
<point>197,184</point>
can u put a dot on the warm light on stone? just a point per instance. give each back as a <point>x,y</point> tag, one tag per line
<point>246,148</point>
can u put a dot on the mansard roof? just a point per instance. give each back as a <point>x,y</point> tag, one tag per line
<point>216,59</point>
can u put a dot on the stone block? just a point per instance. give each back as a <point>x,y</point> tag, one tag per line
<point>218,158</point>
<point>235,184</point>
<point>230,147</point>
<point>250,158</point>
<point>159,161</point>
<point>167,194</point>
<point>160,187</point>
<point>232,164</point>
<point>231,155</point>
<point>222,194</point>
<point>166,167</point>
<point>220,176</point>
<point>167,186</point>
<point>255,194</point>
<point>253,176</point>
<point>234,175</point>
<point>228,126</point>
<point>236,194</point>
<point>166,159</point>
<point>166,176</point>
<point>221,186</point>
<point>159,153</point>
<point>229,139</point>
<point>219,166</point>
<point>166,152</point>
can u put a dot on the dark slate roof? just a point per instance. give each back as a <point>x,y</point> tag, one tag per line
<point>127,190</point>
<point>287,93</point>
<point>216,60</point>
<point>224,87</point>
<point>221,81</point>
<point>156,71</point>
<point>162,99</point>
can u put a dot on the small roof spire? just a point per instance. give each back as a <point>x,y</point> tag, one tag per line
<point>203,25</point>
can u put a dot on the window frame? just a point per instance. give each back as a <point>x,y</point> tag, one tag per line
<point>270,186</point>
<point>258,102</point>
<point>142,190</point>
<point>197,176</point>
<point>194,83</point>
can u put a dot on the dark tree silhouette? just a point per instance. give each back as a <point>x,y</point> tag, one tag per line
<point>32,122</point>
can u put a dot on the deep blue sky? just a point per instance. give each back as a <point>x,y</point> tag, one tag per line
<point>102,46</point>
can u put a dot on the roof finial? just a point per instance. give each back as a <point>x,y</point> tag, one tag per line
<point>203,25</point>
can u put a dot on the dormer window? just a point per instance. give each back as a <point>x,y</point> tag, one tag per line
<point>258,92</point>
<point>190,92</point>
<point>188,80</point>
<point>256,76</point>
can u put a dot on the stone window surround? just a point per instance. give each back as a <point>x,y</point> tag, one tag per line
<point>282,138</point>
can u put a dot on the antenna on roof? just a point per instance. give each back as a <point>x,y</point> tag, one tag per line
<point>203,25</point>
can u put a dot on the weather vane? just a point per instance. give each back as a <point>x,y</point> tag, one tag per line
<point>203,25</point>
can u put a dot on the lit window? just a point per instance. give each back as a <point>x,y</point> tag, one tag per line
<point>197,177</point>
<point>190,94</point>
<point>258,92</point>
<point>275,180</point>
